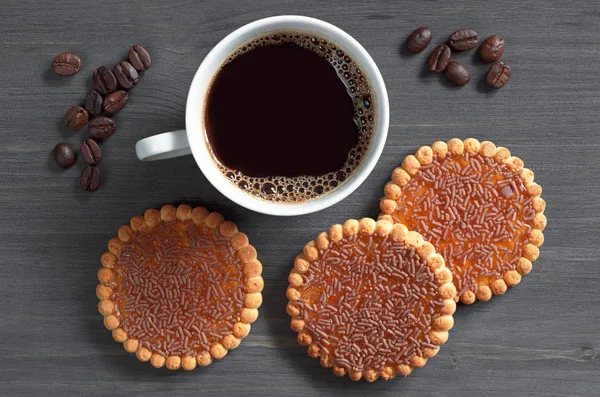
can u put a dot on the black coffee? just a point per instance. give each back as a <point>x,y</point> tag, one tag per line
<point>289,116</point>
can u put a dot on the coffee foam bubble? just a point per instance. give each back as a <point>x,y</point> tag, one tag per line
<point>284,189</point>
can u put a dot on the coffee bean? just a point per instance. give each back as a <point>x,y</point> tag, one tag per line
<point>76,118</point>
<point>457,73</point>
<point>491,49</point>
<point>66,64</point>
<point>498,75</point>
<point>91,152</point>
<point>64,155</point>
<point>440,58</point>
<point>90,178</point>
<point>115,101</point>
<point>93,103</point>
<point>139,58</point>
<point>419,40</point>
<point>101,127</point>
<point>126,75</point>
<point>463,40</point>
<point>104,80</point>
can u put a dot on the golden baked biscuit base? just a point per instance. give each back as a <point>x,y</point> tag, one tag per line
<point>411,165</point>
<point>314,250</point>
<point>252,269</point>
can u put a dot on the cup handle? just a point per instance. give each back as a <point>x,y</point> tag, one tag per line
<point>163,146</point>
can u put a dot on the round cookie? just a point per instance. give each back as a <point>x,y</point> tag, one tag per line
<point>179,287</point>
<point>371,299</point>
<point>477,205</point>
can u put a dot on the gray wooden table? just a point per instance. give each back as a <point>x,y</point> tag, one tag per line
<point>541,338</point>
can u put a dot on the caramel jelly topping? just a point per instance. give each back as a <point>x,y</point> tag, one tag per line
<point>179,288</point>
<point>368,302</point>
<point>474,210</point>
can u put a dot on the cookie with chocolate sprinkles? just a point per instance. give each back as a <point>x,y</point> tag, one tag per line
<point>179,287</point>
<point>371,299</point>
<point>477,205</point>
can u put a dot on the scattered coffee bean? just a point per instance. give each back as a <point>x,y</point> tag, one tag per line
<point>498,75</point>
<point>457,73</point>
<point>115,101</point>
<point>64,155</point>
<point>90,178</point>
<point>66,64</point>
<point>419,40</point>
<point>126,75</point>
<point>440,58</point>
<point>101,127</point>
<point>107,84</point>
<point>491,49</point>
<point>104,80</point>
<point>93,103</point>
<point>91,152</point>
<point>76,118</point>
<point>463,40</point>
<point>139,58</point>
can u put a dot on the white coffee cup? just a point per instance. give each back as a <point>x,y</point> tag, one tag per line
<point>193,138</point>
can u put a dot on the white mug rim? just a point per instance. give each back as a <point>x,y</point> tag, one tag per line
<point>198,91</point>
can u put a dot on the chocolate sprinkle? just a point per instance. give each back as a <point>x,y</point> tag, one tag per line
<point>373,309</point>
<point>474,210</point>
<point>179,288</point>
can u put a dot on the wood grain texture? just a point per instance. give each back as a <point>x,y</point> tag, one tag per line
<point>541,338</point>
